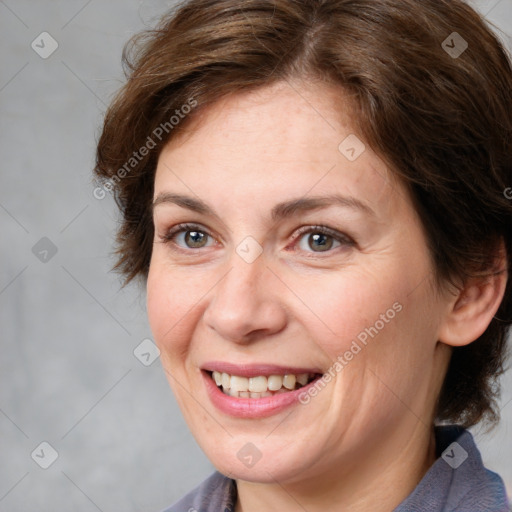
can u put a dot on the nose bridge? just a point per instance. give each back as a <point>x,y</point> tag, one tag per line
<point>243,302</point>
<point>241,285</point>
<point>247,266</point>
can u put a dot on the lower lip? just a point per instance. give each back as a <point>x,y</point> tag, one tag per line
<point>252,407</point>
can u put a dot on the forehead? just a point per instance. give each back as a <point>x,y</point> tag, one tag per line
<point>286,139</point>
<point>302,114</point>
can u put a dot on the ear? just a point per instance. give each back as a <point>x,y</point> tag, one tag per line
<point>470,311</point>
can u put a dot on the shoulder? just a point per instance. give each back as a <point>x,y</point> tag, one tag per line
<point>217,493</point>
<point>458,480</point>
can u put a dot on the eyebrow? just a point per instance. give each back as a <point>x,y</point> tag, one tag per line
<point>282,210</point>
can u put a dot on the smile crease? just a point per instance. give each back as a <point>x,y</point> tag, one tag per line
<point>260,386</point>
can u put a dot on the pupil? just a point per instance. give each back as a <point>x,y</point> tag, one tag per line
<point>324,242</point>
<point>195,238</point>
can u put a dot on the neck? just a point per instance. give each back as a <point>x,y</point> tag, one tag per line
<point>378,481</point>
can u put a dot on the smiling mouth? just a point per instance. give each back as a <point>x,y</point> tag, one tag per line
<point>260,386</point>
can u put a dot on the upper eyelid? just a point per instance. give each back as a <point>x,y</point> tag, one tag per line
<point>183,227</point>
<point>190,226</point>
<point>321,229</point>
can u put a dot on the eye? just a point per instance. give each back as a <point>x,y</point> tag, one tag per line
<point>192,236</point>
<point>321,239</point>
<point>316,239</point>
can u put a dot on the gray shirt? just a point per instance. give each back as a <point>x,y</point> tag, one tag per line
<point>456,482</point>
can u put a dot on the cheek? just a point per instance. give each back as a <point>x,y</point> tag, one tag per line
<point>156,301</point>
<point>351,305</point>
<point>387,338</point>
<point>171,300</point>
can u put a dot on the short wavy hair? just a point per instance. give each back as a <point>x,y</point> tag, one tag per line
<point>431,88</point>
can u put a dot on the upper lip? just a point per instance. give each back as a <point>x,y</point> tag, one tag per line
<point>255,370</point>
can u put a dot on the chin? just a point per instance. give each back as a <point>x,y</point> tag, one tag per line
<point>244,461</point>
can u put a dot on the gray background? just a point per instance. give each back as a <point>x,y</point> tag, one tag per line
<point>68,372</point>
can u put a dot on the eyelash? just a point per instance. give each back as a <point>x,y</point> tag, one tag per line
<point>170,236</point>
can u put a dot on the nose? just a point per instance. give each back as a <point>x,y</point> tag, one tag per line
<point>247,302</point>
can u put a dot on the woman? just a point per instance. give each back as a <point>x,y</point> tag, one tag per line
<point>314,194</point>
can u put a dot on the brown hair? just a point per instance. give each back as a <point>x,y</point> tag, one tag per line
<point>437,112</point>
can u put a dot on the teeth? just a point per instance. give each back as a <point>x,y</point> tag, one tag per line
<point>239,383</point>
<point>275,382</point>
<point>289,381</point>
<point>302,379</point>
<point>260,386</point>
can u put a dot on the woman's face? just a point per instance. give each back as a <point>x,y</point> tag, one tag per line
<point>300,256</point>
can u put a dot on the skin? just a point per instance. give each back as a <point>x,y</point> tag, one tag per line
<point>366,440</point>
